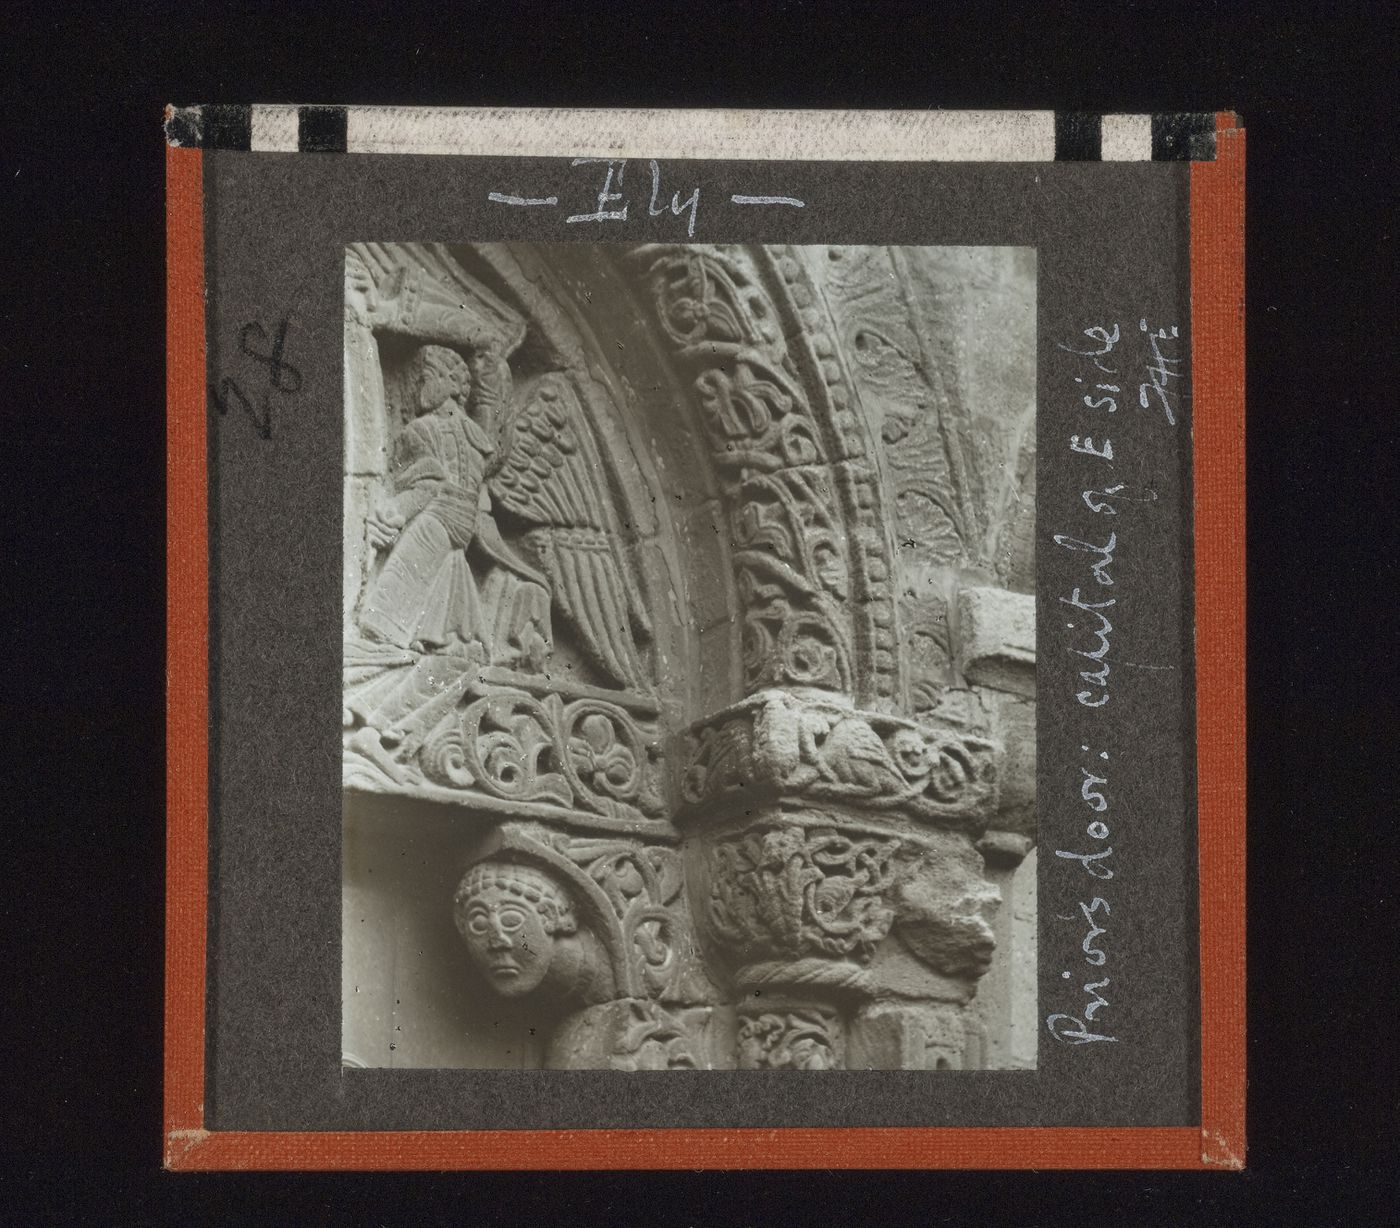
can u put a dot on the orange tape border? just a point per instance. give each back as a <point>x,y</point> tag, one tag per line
<point>1217,304</point>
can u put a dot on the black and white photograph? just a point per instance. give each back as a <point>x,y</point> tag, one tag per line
<point>689,635</point>
<point>849,550</point>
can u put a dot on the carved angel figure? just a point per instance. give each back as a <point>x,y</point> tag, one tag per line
<point>474,454</point>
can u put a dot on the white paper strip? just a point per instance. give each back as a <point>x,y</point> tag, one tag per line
<point>1126,138</point>
<point>914,136</point>
<point>273,129</point>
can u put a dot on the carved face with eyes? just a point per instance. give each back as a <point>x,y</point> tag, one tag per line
<point>509,916</point>
<point>443,379</point>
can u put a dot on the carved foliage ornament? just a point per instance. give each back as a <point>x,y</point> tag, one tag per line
<point>652,1038</point>
<point>788,464</point>
<point>642,884</point>
<point>495,553</point>
<point>492,535</point>
<point>503,738</point>
<point>805,914</point>
<point>776,744</point>
<point>786,893</point>
<point>631,1035</point>
<point>805,1039</point>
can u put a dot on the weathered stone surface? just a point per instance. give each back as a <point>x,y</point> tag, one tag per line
<point>686,609</point>
<point>637,1034</point>
<point>897,1035</point>
<point>817,749</point>
<point>800,1038</point>
<point>997,639</point>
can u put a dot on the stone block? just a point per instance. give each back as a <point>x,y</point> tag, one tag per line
<point>996,639</point>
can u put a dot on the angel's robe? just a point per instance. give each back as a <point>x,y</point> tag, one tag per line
<point>425,593</point>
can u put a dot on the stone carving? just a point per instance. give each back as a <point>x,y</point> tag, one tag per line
<point>521,930</point>
<point>803,877</point>
<point>955,493</point>
<point>493,524</point>
<point>508,739</point>
<point>956,437</point>
<point>788,460</point>
<point>792,901</point>
<point>849,947</point>
<point>860,498</point>
<point>633,1035</point>
<point>643,887</point>
<point>803,1039</point>
<point>626,895</point>
<point>471,448</point>
<point>652,1039</point>
<point>595,928</point>
<point>420,291</point>
<point>777,744</point>
<point>785,893</point>
<point>943,906</point>
<point>896,1035</point>
<point>792,574</point>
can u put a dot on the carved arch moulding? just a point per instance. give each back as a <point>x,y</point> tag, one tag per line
<point>688,623</point>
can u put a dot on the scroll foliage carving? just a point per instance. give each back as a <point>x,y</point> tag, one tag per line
<point>503,739</point>
<point>787,893</point>
<point>501,643</point>
<point>814,905</point>
<point>778,745</point>
<point>500,659</point>
<point>804,524</point>
<point>643,885</point>
<point>807,1039</point>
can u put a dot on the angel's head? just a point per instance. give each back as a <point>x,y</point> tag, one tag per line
<point>440,380</point>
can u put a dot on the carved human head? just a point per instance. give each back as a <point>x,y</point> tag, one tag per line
<point>440,375</point>
<point>511,916</point>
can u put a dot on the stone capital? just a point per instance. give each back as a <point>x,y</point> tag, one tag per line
<point>816,906</point>
<point>796,749</point>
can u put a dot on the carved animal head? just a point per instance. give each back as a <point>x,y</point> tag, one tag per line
<point>944,905</point>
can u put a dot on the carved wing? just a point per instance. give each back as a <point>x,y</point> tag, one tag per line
<point>548,474</point>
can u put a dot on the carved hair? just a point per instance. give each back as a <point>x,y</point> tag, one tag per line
<point>447,363</point>
<point>525,883</point>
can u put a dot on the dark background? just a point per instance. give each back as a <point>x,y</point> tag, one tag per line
<point>83,304</point>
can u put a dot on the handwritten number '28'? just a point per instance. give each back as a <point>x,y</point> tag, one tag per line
<point>261,419</point>
<point>281,376</point>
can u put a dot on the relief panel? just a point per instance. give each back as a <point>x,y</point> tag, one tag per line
<point>689,586</point>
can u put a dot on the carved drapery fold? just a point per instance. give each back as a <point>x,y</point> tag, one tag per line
<point>498,646</point>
